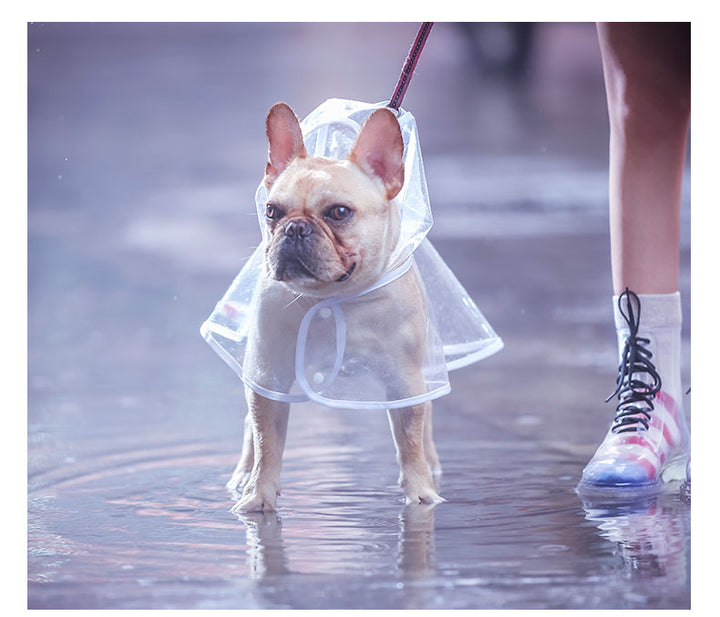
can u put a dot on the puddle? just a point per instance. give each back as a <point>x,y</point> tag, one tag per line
<point>151,528</point>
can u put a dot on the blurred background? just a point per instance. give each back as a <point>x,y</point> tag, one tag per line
<point>145,145</point>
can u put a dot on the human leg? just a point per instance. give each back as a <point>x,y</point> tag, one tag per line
<point>647,80</point>
<point>646,69</point>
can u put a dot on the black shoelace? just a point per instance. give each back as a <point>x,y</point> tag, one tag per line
<point>635,395</point>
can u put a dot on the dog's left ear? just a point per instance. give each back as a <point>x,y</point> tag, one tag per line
<point>285,141</point>
<point>378,150</point>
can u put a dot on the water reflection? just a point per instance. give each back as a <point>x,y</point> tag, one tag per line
<point>265,546</point>
<point>267,552</point>
<point>651,536</point>
<point>416,544</point>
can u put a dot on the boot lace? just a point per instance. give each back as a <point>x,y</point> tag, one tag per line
<point>638,380</point>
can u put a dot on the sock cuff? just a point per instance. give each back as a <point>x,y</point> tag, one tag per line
<point>656,310</point>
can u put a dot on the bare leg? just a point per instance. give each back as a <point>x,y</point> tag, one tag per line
<point>269,428</point>
<point>407,426</point>
<point>647,80</point>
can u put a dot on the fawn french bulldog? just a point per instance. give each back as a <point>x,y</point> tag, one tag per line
<point>331,228</point>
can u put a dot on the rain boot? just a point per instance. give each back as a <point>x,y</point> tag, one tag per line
<point>648,436</point>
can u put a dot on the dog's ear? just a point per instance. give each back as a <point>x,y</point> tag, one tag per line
<point>285,141</point>
<point>378,150</point>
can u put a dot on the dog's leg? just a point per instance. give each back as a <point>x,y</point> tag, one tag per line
<point>269,427</point>
<point>407,426</point>
<point>244,467</point>
<point>431,455</point>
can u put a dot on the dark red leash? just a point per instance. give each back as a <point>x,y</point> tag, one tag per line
<point>410,64</point>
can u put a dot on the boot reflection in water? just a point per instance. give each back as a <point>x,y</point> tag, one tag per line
<point>651,538</point>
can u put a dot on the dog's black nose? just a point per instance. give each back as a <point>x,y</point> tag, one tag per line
<point>298,228</point>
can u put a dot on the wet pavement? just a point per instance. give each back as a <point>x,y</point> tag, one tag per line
<point>146,142</point>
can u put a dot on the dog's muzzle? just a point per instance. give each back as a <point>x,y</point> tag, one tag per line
<point>295,257</point>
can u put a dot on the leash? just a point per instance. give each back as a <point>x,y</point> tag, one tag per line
<point>410,64</point>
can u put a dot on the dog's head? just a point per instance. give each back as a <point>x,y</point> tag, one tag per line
<point>332,223</point>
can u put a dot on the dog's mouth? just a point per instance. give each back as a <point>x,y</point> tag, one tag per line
<point>346,275</point>
<point>293,269</point>
<point>291,263</point>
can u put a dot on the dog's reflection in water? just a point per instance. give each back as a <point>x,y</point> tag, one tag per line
<point>265,547</point>
<point>416,545</point>
<point>267,550</point>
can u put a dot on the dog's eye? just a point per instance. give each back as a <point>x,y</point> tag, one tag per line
<point>272,212</point>
<point>339,213</point>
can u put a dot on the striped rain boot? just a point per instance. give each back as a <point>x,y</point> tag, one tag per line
<point>648,438</point>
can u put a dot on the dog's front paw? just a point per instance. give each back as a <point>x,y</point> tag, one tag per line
<point>423,496</point>
<point>419,488</point>
<point>257,498</point>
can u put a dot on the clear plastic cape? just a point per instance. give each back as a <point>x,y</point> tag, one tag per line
<point>330,354</point>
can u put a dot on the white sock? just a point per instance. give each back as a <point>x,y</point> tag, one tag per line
<point>660,321</point>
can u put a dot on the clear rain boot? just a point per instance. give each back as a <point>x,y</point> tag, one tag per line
<point>648,438</point>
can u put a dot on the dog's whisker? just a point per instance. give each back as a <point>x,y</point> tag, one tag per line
<point>295,299</point>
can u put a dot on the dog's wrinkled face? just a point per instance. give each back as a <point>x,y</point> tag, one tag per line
<point>332,224</point>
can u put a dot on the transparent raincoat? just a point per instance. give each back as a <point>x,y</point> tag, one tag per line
<point>331,354</point>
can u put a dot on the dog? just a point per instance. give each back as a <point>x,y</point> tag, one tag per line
<point>331,227</point>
